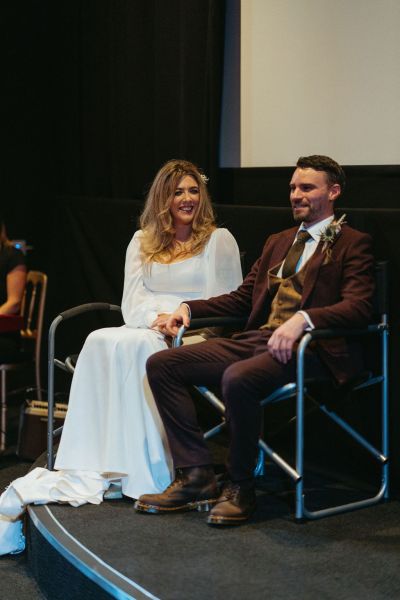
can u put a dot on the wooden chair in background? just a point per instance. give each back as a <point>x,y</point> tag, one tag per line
<point>32,312</point>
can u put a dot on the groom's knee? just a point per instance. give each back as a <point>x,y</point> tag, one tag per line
<point>155,363</point>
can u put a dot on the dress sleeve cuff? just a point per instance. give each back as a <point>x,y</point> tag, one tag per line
<point>188,307</point>
<point>307,319</point>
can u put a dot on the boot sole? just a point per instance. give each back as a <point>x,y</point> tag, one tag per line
<point>220,520</point>
<point>200,505</point>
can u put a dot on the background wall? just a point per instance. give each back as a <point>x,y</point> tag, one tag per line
<point>320,78</point>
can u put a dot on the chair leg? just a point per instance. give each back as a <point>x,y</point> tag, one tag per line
<point>260,466</point>
<point>38,383</point>
<point>3,411</point>
<point>300,428</point>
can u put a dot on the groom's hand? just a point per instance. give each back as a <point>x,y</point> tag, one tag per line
<point>178,318</point>
<point>280,344</point>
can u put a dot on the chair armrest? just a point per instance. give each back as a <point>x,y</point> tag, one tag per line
<point>73,312</point>
<point>83,308</point>
<point>203,322</point>
<point>317,334</point>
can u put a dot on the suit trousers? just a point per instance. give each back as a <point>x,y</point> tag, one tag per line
<point>246,374</point>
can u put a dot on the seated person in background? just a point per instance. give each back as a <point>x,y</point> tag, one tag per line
<point>113,429</point>
<point>12,285</point>
<point>317,274</point>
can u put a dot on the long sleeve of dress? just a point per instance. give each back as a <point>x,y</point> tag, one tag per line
<point>222,273</point>
<point>139,304</point>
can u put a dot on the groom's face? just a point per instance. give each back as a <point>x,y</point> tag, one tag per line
<point>312,196</point>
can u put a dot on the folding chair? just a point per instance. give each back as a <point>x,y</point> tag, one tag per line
<point>32,312</point>
<point>377,376</point>
<point>68,365</point>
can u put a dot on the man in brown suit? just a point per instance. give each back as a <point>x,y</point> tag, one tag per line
<point>316,275</point>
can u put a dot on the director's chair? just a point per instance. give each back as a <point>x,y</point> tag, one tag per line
<point>377,375</point>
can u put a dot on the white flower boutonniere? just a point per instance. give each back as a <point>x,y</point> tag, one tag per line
<point>330,233</point>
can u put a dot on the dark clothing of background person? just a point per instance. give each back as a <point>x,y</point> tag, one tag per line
<point>10,258</point>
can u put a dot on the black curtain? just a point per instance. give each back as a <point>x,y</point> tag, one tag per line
<point>27,167</point>
<point>97,94</point>
<point>134,83</point>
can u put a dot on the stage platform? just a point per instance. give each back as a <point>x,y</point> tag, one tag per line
<point>110,551</point>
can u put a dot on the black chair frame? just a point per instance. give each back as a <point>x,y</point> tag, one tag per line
<point>66,365</point>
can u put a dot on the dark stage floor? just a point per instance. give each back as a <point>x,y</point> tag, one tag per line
<point>17,582</point>
<point>351,556</point>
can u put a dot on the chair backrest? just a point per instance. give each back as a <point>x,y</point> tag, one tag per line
<point>32,311</point>
<point>371,349</point>
<point>381,308</point>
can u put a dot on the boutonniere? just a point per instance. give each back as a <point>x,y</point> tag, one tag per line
<point>330,233</point>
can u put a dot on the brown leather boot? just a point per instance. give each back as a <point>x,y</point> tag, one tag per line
<point>234,506</point>
<point>193,488</point>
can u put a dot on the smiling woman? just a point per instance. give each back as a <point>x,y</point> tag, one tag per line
<point>178,218</point>
<point>178,253</point>
<point>113,430</point>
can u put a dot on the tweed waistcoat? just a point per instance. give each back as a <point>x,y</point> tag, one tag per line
<point>287,296</point>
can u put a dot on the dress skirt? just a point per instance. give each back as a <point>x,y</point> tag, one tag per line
<point>112,424</point>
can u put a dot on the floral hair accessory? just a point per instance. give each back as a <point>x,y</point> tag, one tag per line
<point>204,178</point>
<point>331,232</point>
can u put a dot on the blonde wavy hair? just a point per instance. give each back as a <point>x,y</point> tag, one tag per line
<point>157,242</point>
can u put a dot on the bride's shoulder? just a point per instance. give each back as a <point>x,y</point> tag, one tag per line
<point>221,235</point>
<point>136,238</point>
<point>137,235</point>
<point>133,249</point>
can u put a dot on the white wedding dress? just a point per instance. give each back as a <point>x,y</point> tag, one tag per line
<point>113,430</point>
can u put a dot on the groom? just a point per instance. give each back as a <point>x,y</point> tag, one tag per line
<point>318,274</point>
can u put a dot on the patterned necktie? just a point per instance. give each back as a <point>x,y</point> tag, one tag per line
<point>293,256</point>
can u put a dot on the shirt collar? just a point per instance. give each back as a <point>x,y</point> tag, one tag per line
<point>316,230</point>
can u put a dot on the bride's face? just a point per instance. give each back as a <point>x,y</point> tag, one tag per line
<point>186,201</point>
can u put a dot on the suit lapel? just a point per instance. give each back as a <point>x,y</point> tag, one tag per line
<point>281,248</point>
<point>312,273</point>
<point>280,251</point>
<point>313,268</point>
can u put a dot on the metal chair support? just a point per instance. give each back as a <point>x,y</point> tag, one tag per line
<point>298,389</point>
<point>65,365</point>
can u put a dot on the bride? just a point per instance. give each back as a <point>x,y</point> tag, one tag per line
<point>113,431</point>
